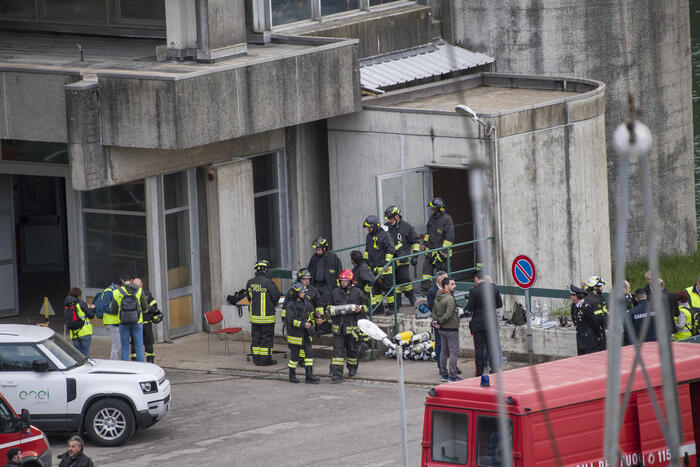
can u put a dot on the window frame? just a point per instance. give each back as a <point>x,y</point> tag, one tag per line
<point>466,414</point>
<point>479,417</point>
<point>51,363</point>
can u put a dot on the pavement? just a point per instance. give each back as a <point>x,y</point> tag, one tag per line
<point>191,353</point>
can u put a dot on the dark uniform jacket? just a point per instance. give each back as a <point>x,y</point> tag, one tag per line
<point>477,304</point>
<point>263,295</point>
<point>405,237</point>
<point>298,313</point>
<point>344,324</point>
<point>152,307</point>
<point>587,329</point>
<point>324,271</point>
<point>81,460</point>
<point>363,278</point>
<point>599,310</point>
<point>637,314</point>
<point>313,296</point>
<point>379,250</point>
<point>441,231</point>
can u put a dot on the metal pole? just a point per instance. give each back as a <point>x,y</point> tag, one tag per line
<point>530,353</point>
<point>402,397</point>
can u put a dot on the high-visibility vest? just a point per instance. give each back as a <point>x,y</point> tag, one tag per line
<point>109,318</point>
<point>686,332</point>
<point>86,330</point>
<point>118,296</point>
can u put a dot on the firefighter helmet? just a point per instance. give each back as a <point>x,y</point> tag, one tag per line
<point>345,275</point>
<point>156,316</point>
<point>298,288</point>
<point>371,221</point>
<point>303,273</point>
<point>437,203</point>
<point>594,281</point>
<point>392,211</point>
<point>320,242</point>
<point>262,264</point>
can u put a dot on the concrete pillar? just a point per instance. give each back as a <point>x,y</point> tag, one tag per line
<point>232,245</point>
<point>180,28</point>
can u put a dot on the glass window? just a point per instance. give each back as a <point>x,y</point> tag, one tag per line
<point>148,10</point>
<point>34,151</point>
<point>127,197</point>
<point>265,173</point>
<point>19,357</point>
<point>329,7</point>
<point>75,10</point>
<point>114,243</point>
<point>267,228</point>
<point>449,437</point>
<point>175,190</point>
<point>289,11</point>
<point>68,355</point>
<point>177,231</point>
<point>7,418</point>
<point>17,9</point>
<point>489,449</point>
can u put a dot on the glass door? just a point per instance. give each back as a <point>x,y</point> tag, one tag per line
<point>8,259</point>
<point>411,191</point>
<point>181,246</point>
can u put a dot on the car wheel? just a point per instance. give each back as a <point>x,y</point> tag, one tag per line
<point>110,422</point>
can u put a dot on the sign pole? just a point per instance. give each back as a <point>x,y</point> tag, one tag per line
<point>530,355</point>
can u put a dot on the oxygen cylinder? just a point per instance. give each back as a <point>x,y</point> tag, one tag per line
<point>341,309</point>
<point>403,336</point>
<point>420,337</point>
<point>419,348</point>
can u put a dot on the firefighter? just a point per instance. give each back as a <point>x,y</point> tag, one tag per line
<point>345,330</point>
<point>379,251</point>
<point>312,296</point>
<point>406,241</point>
<point>324,267</point>
<point>363,277</point>
<point>300,329</point>
<point>152,315</point>
<point>584,321</point>
<point>263,294</point>
<point>594,300</point>
<point>440,233</point>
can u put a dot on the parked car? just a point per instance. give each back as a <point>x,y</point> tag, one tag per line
<point>18,432</point>
<point>460,426</point>
<point>68,392</point>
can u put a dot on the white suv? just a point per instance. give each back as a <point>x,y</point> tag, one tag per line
<point>65,391</point>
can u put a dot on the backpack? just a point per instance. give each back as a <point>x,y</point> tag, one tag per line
<point>129,309</point>
<point>103,301</point>
<point>519,316</point>
<point>73,321</point>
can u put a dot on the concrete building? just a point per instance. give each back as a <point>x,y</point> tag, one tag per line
<point>183,139</point>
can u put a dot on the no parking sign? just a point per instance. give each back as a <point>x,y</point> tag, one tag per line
<point>523,270</point>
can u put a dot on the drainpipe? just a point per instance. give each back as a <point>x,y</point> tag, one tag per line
<point>202,11</point>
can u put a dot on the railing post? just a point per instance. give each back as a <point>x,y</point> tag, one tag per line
<point>396,305</point>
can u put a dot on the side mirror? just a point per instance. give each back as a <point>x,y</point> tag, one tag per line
<point>41,366</point>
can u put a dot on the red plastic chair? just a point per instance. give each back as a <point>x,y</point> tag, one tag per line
<point>215,317</point>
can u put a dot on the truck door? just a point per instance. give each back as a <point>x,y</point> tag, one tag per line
<point>488,448</point>
<point>651,440</point>
<point>449,436</point>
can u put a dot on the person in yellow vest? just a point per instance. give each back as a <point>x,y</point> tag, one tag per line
<point>684,322</point>
<point>129,303</point>
<point>103,310</point>
<point>78,315</point>
<point>694,304</point>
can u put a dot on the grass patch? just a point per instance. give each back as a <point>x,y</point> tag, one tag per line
<point>677,271</point>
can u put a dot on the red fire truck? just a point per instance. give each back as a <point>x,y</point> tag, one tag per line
<point>17,432</point>
<point>460,426</point>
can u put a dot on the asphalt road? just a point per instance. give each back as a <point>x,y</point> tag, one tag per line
<point>226,420</point>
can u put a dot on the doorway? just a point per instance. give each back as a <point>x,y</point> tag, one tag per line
<point>452,185</point>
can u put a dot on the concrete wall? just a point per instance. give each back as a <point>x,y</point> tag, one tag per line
<point>308,185</point>
<point>231,229</point>
<point>548,209</point>
<point>33,106</point>
<point>585,39</point>
<point>380,32</point>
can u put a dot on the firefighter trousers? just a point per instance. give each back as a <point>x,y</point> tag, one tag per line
<point>429,270</point>
<point>381,287</point>
<point>344,351</point>
<point>261,343</point>
<point>147,344</point>
<point>297,351</point>
<point>403,276</point>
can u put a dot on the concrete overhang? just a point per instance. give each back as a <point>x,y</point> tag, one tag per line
<point>143,103</point>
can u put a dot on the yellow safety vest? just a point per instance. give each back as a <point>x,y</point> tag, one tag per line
<point>109,318</point>
<point>686,331</point>
<point>86,330</point>
<point>118,296</point>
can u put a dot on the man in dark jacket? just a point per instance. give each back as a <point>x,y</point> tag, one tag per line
<point>477,305</point>
<point>379,250</point>
<point>639,314</point>
<point>14,458</point>
<point>406,241</point>
<point>313,297</point>
<point>362,277</point>
<point>263,295</point>
<point>594,299</point>
<point>345,330</point>
<point>300,328</point>
<point>587,329</point>
<point>151,316</point>
<point>441,232</point>
<point>324,267</point>
<point>430,303</point>
<point>75,457</point>
<point>446,320</point>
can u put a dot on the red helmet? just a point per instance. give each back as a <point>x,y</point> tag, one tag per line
<point>346,274</point>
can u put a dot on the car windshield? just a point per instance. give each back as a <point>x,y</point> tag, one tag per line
<point>65,352</point>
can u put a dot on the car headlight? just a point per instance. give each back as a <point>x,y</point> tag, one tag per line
<point>149,387</point>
